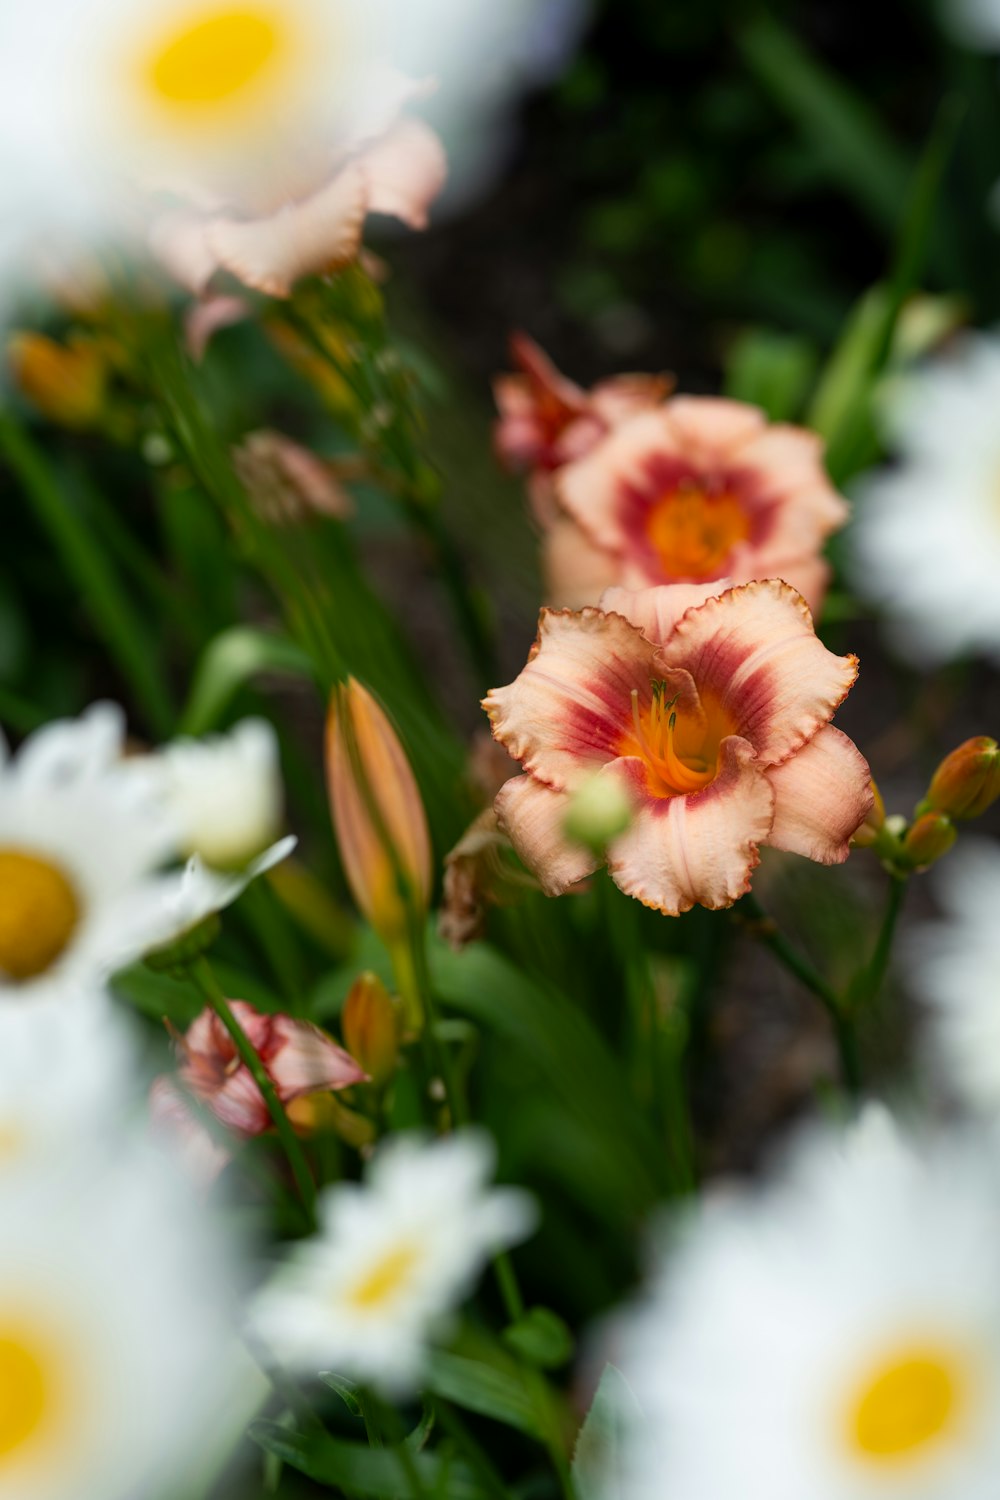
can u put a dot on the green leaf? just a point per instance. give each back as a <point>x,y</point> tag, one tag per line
<point>229,661</point>
<point>560,1041</point>
<point>845,134</point>
<point>483,1389</point>
<point>363,1471</point>
<point>541,1337</point>
<point>598,1468</point>
<point>771,370</point>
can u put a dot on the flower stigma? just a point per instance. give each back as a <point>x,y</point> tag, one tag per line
<point>670,773</point>
<point>39,912</point>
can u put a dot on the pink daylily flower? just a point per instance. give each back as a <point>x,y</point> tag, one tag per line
<point>699,489</point>
<point>298,1057</point>
<point>711,706</point>
<point>547,420</point>
<point>317,227</point>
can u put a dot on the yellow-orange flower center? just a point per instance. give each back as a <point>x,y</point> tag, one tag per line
<point>902,1406</point>
<point>693,532</point>
<point>216,56</point>
<point>39,912</point>
<point>385,1278</point>
<point>680,750</point>
<point>26,1390</point>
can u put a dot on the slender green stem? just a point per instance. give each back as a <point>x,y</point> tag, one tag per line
<point>843,1026</point>
<point>381,1415</point>
<point>205,981</point>
<point>866,985</point>
<point>87,565</point>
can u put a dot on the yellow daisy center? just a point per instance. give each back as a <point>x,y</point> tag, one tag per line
<point>39,912</point>
<point>693,532</point>
<point>907,1402</point>
<point>26,1390</point>
<point>385,1278</point>
<point>217,55</point>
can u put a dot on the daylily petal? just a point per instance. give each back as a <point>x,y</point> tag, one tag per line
<point>303,1059</point>
<point>657,611</point>
<point>171,1113</point>
<point>179,242</point>
<point>809,575</point>
<point>205,318</point>
<point>822,795</point>
<point>304,238</point>
<point>565,714</point>
<point>710,427</point>
<point>700,849</point>
<point>755,650</point>
<point>405,171</point>
<point>576,571</point>
<point>792,457</point>
<point>589,490</point>
<point>531,815</point>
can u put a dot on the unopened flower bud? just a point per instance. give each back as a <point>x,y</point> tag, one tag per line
<point>929,837</point>
<point>967,781</point>
<point>378,816</point>
<point>873,825</point>
<point>66,382</point>
<point>370,1025</point>
<point>598,812</point>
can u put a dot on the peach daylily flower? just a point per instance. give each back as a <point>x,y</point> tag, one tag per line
<point>298,1058</point>
<point>316,228</point>
<point>547,420</point>
<point>711,706</point>
<point>700,489</point>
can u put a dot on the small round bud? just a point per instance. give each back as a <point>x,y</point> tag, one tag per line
<point>929,837</point>
<point>967,781</point>
<point>598,812</point>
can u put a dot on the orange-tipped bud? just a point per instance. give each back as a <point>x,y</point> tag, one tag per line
<point>378,816</point>
<point>870,829</point>
<point>65,382</point>
<point>967,781</point>
<point>371,1024</point>
<point>927,839</point>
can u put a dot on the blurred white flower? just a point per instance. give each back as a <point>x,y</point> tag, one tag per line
<point>954,965</point>
<point>225,792</point>
<point>81,836</point>
<point>116,1367</point>
<point>926,532</point>
<point>836,1334</point>
<point>974,22</point>
<point>67,1089</point>
<point>391,1260</point>
<point>201,892</point>
<point>268,130</point>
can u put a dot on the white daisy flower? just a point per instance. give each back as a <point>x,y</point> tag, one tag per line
<point>116,1367</point>
<point>249,115</point>
<point>225,792</point>
<point>391,1260</point>
<point>835,1335</point>
<point>953,966</point>
<point>926,532</point>
<point>65,1089</point>
<point>82,836</point>
<point>201,892</point>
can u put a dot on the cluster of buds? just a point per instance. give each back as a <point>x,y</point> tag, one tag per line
<point>965,784</point>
